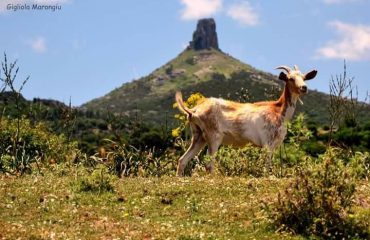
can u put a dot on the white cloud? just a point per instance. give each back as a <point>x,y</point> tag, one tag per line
<point>38,45</point>
<point>353,42</point>
<point>195,9</point>
<point>5,3</point>
<point>243,13</point>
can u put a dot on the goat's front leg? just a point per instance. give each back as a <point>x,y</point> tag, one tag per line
<point>270,154</point>
<point>271,147</point>
<point>269,160</point>
<point>212,149</point>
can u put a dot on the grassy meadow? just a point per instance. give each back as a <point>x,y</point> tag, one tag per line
<point>207,207</point>
<point>52,206</point>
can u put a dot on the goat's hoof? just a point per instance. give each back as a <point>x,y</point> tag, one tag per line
<point>209,169</point>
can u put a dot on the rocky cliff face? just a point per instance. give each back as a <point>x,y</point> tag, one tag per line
<point>205,36</point>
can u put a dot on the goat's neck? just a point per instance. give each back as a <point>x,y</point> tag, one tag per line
<point>287,101</point>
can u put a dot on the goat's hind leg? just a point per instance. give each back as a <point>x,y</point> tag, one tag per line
<point>212,149</point>
<point>197,143</point>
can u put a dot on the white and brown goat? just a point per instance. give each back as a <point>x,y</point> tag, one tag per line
<point>217,121</point>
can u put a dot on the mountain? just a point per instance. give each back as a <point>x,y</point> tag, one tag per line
<point>202,67</point>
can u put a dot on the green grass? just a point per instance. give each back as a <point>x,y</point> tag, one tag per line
<point>202,207</point>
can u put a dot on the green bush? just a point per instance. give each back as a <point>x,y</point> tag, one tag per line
<point>128,161</point>
<point>218,77</point>
<point>319,201</point>
<point>247,161</point>
<point>191,61</point>
<point>348,136</point>
<point>169,69</point>
<point>27,144</point>
<point>99,180</point>
<point>314,148</point>
<point>366,126</point>
<point>298,131</point>
<point>359,164</point>
<point>297,143</point>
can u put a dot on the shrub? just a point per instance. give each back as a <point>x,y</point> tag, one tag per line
<point>191,61</point>
<point>297,138</point>
<point>247,161</point>
<point>348,136</point>
<point>128,161</point>
<point>359,163</point>
<point>319,202</point>
<point>218,77</point>
<point>35,145</point>
<point>298,131</point>
<point>366,126</point>
<point>100,180</point>
<point>242,74</point>
<point>169,69</point>
<point>314,148</point>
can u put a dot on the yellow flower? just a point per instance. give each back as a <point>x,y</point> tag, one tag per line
<point>194,100</point>
<point>176,132</point>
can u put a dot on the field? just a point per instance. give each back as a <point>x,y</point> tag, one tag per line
<point>201,207</point>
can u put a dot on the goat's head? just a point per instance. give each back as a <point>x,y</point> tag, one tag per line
<point>295,80</point>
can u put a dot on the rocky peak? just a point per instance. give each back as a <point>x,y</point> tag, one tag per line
<point>205,36</point>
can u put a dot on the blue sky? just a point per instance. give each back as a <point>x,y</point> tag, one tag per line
<point>88,48</point>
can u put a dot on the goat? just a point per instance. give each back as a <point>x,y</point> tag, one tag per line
<point>217,121</point>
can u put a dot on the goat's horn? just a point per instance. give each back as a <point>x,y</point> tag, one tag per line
<point>296,68</point>
<point>286,68</point>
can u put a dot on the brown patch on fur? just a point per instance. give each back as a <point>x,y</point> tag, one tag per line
<point>277,109</point>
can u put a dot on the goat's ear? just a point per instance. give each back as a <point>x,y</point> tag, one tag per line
<point>283,76</point>
<point>310,75</point>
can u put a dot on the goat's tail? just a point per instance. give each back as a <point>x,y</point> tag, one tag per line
<point>181,105</point>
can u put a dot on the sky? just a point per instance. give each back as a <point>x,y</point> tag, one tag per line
<point>83,49</point>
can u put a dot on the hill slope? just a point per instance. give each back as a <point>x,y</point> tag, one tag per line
<point>211,72</point>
